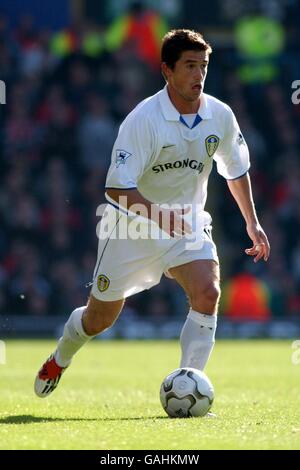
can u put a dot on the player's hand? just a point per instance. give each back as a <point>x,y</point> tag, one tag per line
<point>173,222</point>
<point>261,245</point>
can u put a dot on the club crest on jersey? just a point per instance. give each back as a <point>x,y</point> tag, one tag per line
<point>211,144</point>
<point>102,282</point>
<point>122,156</point>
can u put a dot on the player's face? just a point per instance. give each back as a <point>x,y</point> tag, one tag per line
<point>188,76</point>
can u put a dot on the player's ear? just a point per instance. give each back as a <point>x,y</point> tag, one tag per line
<point>165,71</point>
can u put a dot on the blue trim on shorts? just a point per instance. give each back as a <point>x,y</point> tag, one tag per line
<point>110,187</point>
<point>123,211</point>
<point>98,266</point>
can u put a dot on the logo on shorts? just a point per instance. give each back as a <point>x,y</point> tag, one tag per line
<point>211,144</point>
<point>122,156</point>
<point>102,282</point>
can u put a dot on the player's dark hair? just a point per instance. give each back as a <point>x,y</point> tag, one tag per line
<point>179,40</point>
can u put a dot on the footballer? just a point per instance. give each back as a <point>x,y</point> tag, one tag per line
<point>161,159</point>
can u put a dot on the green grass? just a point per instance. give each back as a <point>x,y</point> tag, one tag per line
<point>109,398</point>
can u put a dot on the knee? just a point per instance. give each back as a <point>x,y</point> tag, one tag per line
<point>212,292</point>
<point>206,298</point>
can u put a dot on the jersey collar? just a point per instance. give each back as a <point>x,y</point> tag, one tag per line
<point>170,112</point>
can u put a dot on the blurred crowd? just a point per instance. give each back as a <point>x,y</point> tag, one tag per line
<point>67,93</point>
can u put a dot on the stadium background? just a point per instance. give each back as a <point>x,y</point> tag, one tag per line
<point>73,70</point>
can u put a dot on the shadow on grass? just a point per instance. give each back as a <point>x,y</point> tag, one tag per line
<point>29,419</point>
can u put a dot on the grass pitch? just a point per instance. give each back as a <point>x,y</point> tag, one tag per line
<point>109,398</point>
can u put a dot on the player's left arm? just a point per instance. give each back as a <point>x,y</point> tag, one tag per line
<point>241,190</point>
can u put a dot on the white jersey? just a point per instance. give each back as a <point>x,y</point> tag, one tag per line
<point>167,160</point>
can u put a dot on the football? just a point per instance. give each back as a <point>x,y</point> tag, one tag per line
<point>186,392</point>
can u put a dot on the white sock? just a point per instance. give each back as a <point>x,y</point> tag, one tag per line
<point>197,339</point>
<point>74,337</point>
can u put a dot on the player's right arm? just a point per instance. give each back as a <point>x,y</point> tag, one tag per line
<point>171,221</point>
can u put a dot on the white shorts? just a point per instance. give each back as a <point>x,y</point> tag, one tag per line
<point>125,266</point>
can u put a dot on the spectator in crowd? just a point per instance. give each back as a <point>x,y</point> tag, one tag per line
<point>246,298</point>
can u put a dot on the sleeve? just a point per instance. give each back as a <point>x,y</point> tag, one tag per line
<point>232,156</point>
<point>131,153</point>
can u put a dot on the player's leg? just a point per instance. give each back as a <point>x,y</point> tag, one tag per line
<point>123,267</point>
<point>200,280</point>
<point>84,323</point>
